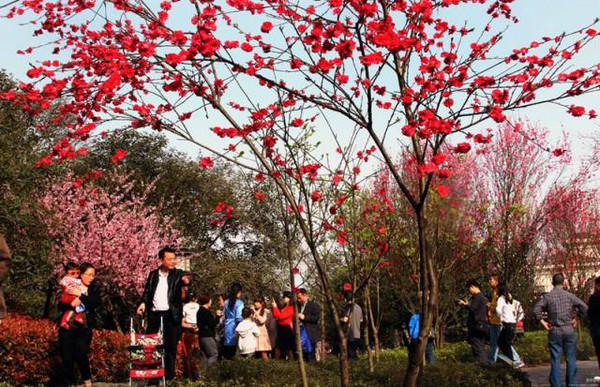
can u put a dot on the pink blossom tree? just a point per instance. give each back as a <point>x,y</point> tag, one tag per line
<point>115,230</point>
<point>516,171</point>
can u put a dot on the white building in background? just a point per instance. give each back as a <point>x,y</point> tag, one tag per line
<point>184,260</point>
<point>544,273</point>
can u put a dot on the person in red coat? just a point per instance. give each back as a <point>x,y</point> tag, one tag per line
<point>284,317</point>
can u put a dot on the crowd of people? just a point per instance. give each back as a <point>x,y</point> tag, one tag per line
<point>235,328</point>
<point>191,322</point>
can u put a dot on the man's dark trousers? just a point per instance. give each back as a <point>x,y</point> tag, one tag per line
<point>477,341</point>
<point>171,334</point>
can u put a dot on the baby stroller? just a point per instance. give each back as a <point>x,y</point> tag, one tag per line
<point>147,356</point>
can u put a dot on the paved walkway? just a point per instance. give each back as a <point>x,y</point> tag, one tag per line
<point>586,371</point>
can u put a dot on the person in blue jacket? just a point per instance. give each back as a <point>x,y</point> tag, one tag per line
<point>413,330</point>
<point>232,311</point>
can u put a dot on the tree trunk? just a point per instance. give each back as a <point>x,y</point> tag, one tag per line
<point>440,334</point>
<point>372,323</point>
<point>331,303</point>
<point>113,314</point>
<point>429,301</point>
<point>301,365</point>
<point>368,344</point>
<point>323,279</point>
<point>323,351</point>
<point>49,296</point>
<point>397,342</point>
<point>343,361</point>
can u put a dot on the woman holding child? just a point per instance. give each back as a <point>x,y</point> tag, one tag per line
<point>78,314</point>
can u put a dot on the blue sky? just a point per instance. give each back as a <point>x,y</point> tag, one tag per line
<point>537,18</point>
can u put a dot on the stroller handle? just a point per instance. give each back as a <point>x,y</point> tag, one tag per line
<point>143,323</point>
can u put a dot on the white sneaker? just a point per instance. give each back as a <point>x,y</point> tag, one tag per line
<point>519,365</point>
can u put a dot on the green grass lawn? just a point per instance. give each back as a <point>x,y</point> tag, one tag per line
<point>455,367</point>
<point>389,371</point>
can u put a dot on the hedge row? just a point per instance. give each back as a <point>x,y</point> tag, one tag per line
<point>389,371</point>
<point>30,356</point>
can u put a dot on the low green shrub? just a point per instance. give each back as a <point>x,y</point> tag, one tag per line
<point>29,352</point>
<point>389,371</point>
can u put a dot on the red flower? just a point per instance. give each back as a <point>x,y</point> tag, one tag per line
<point>297,122</point>
<point>316,196</point>
<point>247,47</point>
<point>558,152</point>
<point>463,147</point>
<point>35,72</point>
<point>500,96</point>
<point>426,168</point>
<point>345,48</point>
<point>444,173</point>
<point>206,162</point>
<point>119,156</point>
<point>266,27</point>
<point>347,287</point>
<point>341,238</point>
<point>371,59</point>
<point>342,78</point>
<point>324,65</point>
<point>269,141</point>
<point>259,195</point>
<point>481,139</point>
<point>113,82</point>
<point>295,270</point>
<point>576,111</point>
<point>438,158</point>
<point>408,130</point>
<point>497,114</point>
<point>442,190</point>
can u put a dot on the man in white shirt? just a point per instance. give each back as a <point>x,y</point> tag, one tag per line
<point>162,301</point>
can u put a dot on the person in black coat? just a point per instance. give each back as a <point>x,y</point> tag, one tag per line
<point>594,316</point>
<point>477,320</point>
<point>309,315</point>
<point>161,301</point>
<point>74,342</point>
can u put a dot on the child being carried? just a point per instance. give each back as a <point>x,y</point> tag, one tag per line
<point>71,285</point>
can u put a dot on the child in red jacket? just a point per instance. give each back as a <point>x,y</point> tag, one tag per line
<point>71,283</point>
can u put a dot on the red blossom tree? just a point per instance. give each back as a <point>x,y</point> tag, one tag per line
<point>386,70</point>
